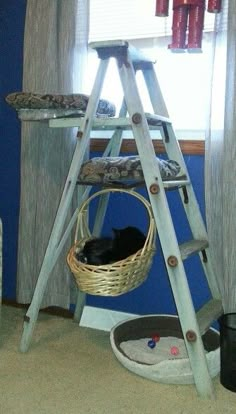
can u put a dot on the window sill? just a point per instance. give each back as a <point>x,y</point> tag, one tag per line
<point>189,147</point>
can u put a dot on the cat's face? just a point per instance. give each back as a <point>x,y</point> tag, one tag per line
<point>95,251</point>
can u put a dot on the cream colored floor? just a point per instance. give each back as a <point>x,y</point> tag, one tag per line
<point>72,370</point>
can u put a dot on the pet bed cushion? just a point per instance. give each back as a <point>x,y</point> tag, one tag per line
<point>167,368</point>
<point>108,169</point>
<point>55,105</point>
<point>139,351</point>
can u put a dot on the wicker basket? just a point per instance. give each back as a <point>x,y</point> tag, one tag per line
<point>119,277</point>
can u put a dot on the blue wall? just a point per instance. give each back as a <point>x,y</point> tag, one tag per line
<point>154,296</point>
<point>12,15</point>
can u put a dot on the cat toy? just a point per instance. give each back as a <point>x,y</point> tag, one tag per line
<point>174,350</point>
<point>188,16</point>
<point>153,341</point>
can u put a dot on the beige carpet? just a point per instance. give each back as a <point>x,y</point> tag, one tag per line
<point>72,370</point>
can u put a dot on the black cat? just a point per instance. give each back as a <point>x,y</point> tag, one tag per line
<point>126,242</point>
<point>105,250</point>
<point>96,251</point>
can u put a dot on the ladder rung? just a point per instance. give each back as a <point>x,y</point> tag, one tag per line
<point>157,120</point>
<point>210,312</point>
<point>168,185</point>
<point>175,183</point>
<point>108,123</point>
<point>191,247</point>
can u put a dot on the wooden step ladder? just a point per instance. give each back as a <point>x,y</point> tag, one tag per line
<point>193,324</point>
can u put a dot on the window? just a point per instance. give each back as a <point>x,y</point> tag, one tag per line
<point>184,78</point>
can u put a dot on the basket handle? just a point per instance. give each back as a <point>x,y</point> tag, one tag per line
<point>82,226</point>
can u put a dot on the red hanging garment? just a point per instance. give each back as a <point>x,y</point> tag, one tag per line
<point>162,8</point>
<point>214,6</point>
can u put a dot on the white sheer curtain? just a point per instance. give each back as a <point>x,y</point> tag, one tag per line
<point>220,158</point>
<point>55,46</point>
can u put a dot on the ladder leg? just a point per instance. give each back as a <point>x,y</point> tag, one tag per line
<point>53,250</point>
<point>54,241</point>
<point>167,234</point>
<point>172,149</point>
<point>79,307</point>
<point>114,150</point>
<point>83,193</point>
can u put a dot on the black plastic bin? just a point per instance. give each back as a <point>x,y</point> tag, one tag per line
<point>228,351</point>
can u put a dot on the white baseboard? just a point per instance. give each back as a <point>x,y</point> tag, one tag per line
<point>103,319</point>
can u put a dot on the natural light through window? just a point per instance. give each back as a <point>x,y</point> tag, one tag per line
<point>185,78</point>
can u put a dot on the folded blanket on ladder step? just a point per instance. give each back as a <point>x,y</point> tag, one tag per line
<point>109,169</point>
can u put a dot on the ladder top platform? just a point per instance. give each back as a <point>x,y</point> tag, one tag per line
<point>119,49</point>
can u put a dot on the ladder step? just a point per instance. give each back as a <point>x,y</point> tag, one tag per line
<point>192,247</point>
<point>210,312</point>
<point>108,123</point>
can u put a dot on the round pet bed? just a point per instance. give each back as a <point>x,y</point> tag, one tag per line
<point>174,370</point>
